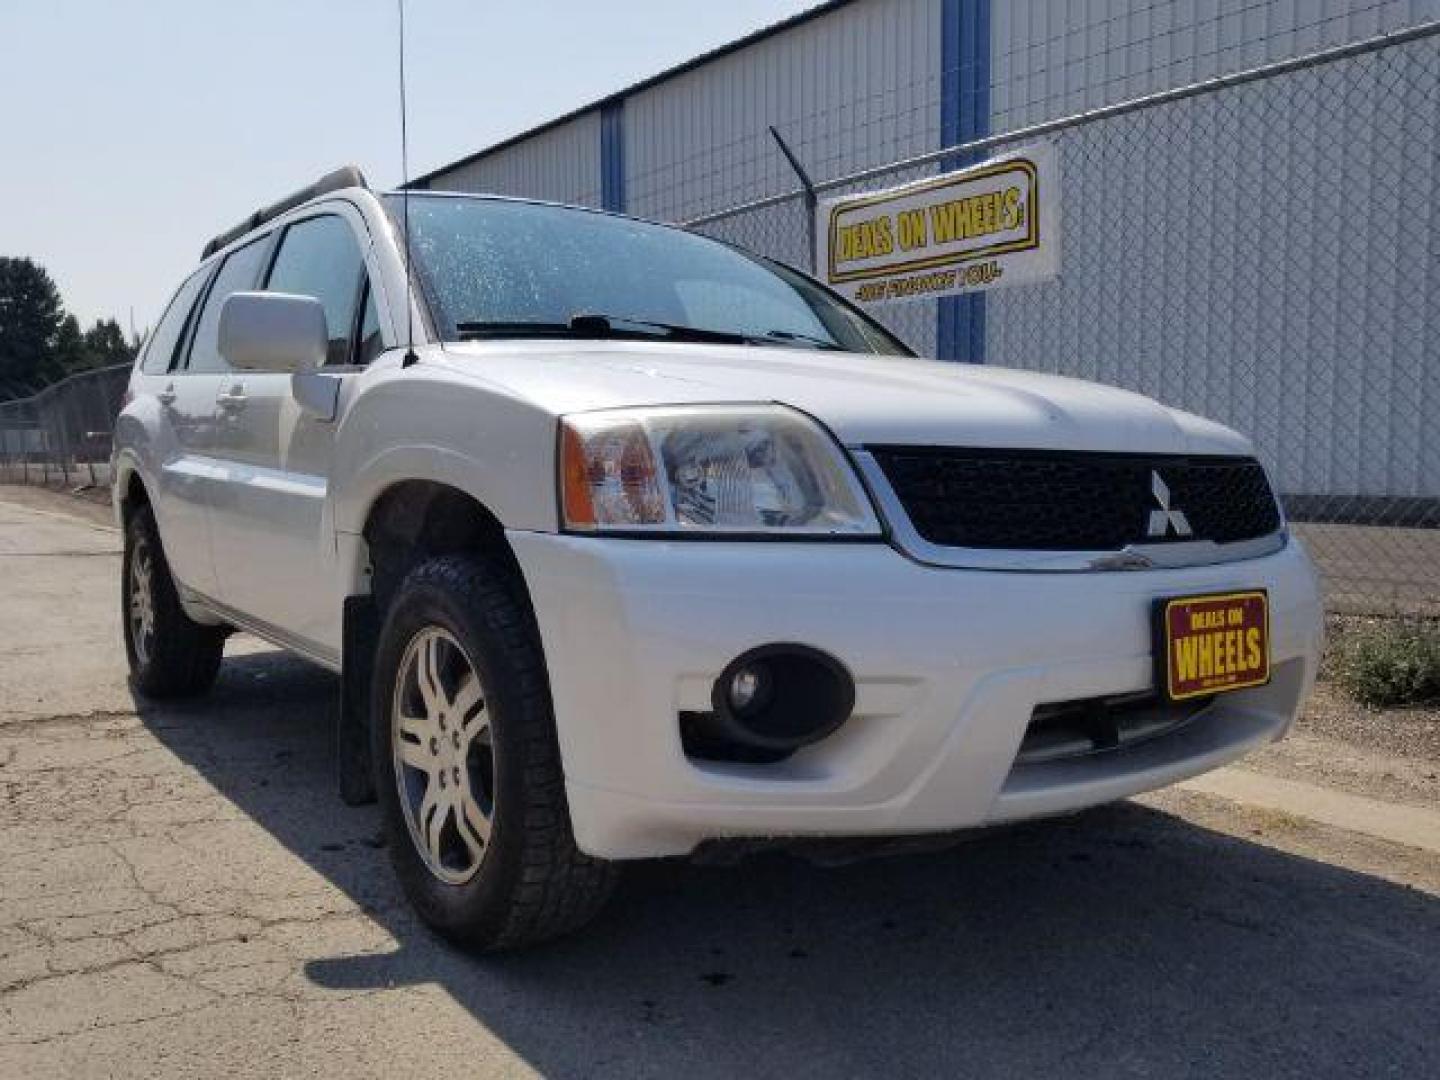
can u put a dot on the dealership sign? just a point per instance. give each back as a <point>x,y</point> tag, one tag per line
<point>992,224</point>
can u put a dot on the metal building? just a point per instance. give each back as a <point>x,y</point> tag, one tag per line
<point>1265,253</point>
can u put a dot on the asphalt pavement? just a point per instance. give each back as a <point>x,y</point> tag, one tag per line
<point>183,894</point>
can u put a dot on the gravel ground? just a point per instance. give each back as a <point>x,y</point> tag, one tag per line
<point>1411,733</point>
<point>1390,754</point>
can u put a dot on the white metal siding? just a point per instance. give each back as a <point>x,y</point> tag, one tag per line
<point>561,164</point>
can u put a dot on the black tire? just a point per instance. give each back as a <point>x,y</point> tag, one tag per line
<point>532,882</point>
<point>177,657</point>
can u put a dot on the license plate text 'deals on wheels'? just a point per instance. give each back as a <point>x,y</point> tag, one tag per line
<point>1210,644</point>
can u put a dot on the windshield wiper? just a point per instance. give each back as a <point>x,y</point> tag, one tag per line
<point>588,325</point>
<point>795,335</point>
<point>591,326</point>
<point>470,330</point>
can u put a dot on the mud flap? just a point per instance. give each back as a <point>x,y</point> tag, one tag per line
<point>356,770</point>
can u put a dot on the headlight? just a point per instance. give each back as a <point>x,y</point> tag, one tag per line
<point>707,468</point>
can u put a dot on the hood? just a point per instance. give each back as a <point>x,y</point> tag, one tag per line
<point>863,399</point>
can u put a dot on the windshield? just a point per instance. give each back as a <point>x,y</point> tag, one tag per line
<point>500,268</point>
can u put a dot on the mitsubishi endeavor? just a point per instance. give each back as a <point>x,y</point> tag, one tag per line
<point>625,542</point>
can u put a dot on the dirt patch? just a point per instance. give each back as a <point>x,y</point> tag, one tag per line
<point>90,504</point>
<point>1388,754</point>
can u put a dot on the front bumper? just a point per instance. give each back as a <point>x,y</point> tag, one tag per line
<point>949,665</point>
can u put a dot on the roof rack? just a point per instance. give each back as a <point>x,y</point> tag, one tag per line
<point>345,177</point>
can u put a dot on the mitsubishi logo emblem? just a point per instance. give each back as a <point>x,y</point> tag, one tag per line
<point>1166,517</point>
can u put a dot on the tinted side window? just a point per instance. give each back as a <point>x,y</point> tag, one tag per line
<point>319,257</point>
<point>239,273</point>
<point>160,349</point>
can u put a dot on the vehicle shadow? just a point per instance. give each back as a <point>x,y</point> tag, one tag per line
<point>1123,941</point>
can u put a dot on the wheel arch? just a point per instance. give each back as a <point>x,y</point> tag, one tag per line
<point>129,491</point>
<point>406,523</point>
<point>503,497</point>
<point>412,520</point>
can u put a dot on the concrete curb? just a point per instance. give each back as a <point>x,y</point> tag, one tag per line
<point>1399,824</point>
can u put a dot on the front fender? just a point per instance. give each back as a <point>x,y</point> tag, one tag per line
<point>356,493</point>
<point>424,424</point>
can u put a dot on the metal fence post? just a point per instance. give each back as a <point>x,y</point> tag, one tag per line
<point>810,201</point>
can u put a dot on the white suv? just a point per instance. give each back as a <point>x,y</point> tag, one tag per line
<point>647,543</point>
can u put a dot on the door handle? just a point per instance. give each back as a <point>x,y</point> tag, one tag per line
<point>166,396</point>
<point>233,398</point>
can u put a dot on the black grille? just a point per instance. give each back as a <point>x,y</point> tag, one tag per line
<point>1055,501</point>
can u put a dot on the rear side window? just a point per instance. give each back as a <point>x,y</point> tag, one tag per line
<point>239,273</point>
<point>319,257</point>
<point>164,342</point>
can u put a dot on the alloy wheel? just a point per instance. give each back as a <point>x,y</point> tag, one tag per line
<point>142,602</point>
<point>444,755</point>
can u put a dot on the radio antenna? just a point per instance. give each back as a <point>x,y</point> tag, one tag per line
<point>410,357</point>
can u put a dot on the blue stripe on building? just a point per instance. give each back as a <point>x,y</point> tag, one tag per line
<point>964,115</point>
<point>612,156</point>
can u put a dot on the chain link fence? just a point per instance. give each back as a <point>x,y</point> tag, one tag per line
<point>62,435</point>
<point>1262,249</point>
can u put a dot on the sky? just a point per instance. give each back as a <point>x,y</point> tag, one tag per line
<point>131,132</point>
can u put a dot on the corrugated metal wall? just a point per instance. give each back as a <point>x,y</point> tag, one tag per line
<point>561,164</point>
<point>1218,280</point>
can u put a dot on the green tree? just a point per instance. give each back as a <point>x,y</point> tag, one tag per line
<point>30,318</point>
<point>71,353</point>
<point>105,345</point>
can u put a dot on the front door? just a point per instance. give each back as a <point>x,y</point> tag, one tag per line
<point>274,553</point>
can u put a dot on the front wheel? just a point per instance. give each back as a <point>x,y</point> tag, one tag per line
<point>170,655</point>
<point>468,766</point>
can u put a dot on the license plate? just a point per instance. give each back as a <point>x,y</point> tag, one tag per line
<point>1211,644</point>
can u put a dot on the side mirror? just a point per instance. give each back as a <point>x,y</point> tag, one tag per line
<point>266,331</point>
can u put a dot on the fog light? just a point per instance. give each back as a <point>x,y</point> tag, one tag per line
<point>779,698</point>
<point>747,687</point>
